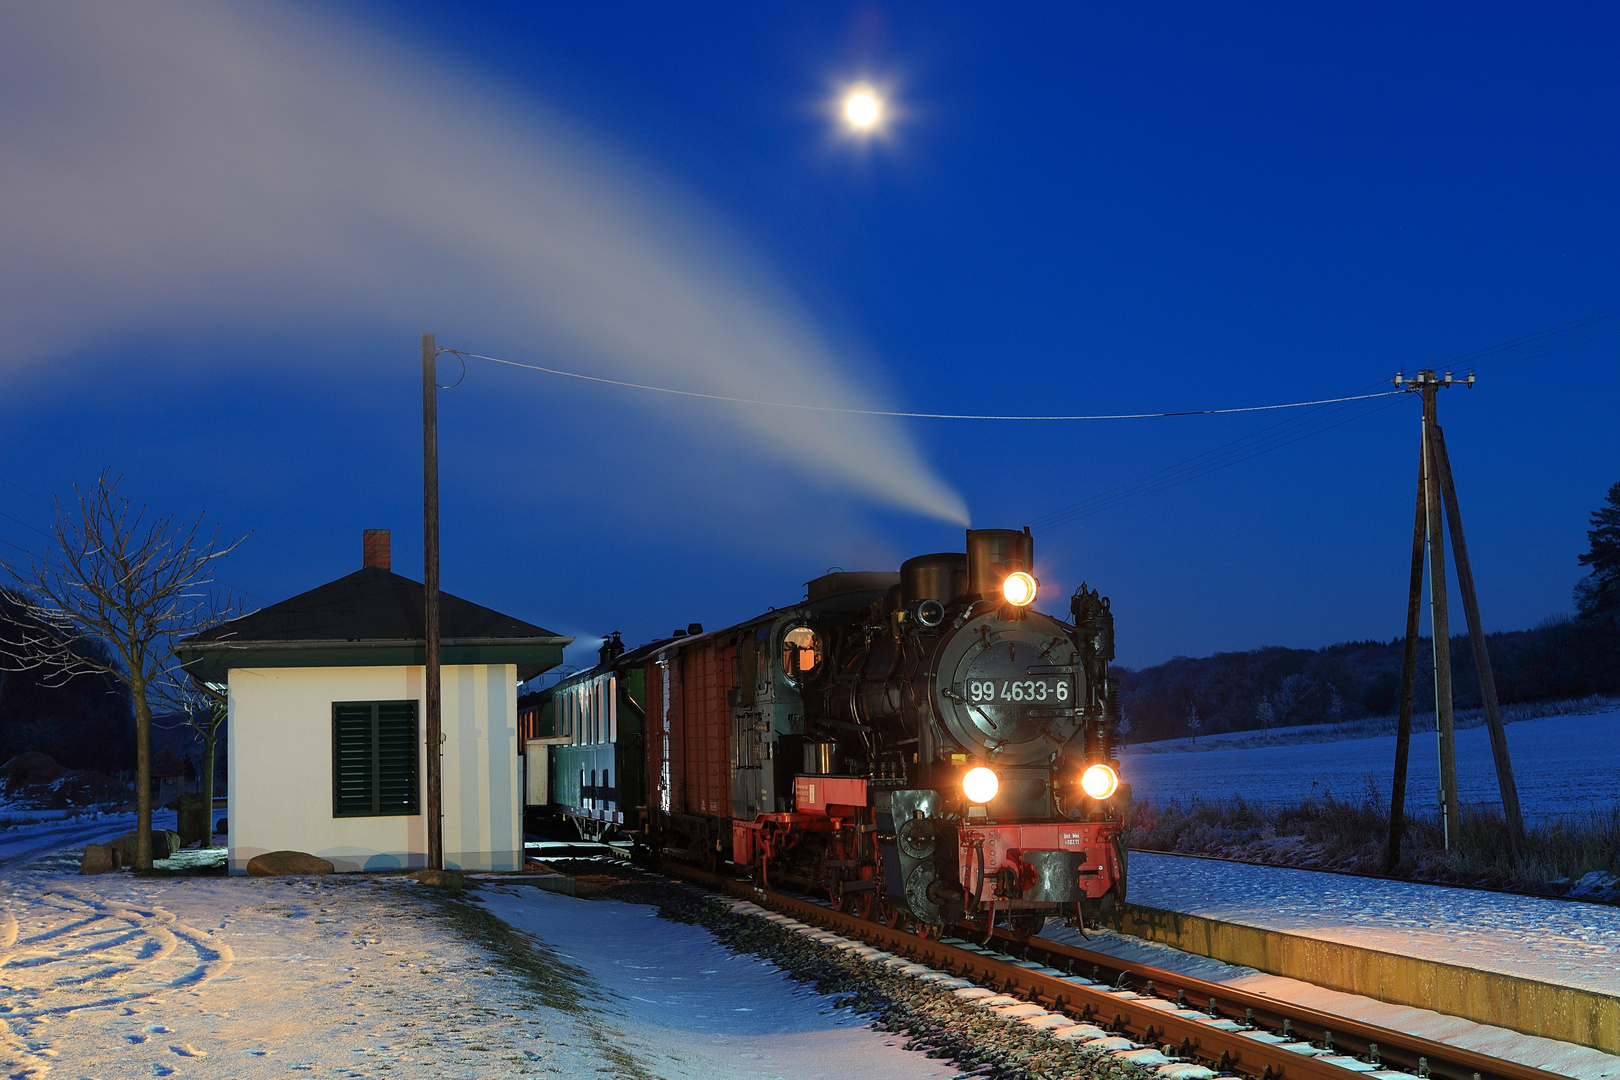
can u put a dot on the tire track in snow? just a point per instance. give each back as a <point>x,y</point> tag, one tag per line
<point>76,950</point>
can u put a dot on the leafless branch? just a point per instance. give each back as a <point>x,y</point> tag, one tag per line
<point>113,575</point>
<point>113,595</point>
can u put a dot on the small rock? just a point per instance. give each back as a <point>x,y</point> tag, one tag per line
<point>440,879</point>
<point>286,863</point>
<point>99,859</point>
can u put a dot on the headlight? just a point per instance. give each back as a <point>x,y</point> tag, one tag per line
<point>1019,589</point>
<point>1099,781</point>
<point>980,785</point>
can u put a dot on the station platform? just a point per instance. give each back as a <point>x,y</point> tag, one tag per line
<point>1541,966</point>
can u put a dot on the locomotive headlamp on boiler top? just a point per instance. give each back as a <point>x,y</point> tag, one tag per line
<point>1099,781</point>
<point>980,784</point>
<point>1019,589</point>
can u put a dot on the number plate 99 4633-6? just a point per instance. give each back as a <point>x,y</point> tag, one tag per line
<point>1053,690</point>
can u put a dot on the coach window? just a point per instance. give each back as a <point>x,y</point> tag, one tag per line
<point>801,652</point>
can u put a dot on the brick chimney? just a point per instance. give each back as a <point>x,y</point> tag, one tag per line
<point>375,542</point>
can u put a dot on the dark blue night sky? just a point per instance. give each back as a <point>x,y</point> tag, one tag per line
<point>221,235</point>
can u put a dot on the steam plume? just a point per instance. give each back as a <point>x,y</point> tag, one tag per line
<point>170,164</point>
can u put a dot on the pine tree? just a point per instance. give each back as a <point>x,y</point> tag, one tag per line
<point>1600,592</point>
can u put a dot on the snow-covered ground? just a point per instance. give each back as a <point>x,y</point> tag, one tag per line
<point>115,976</point>
<point>1563,765</point>
<point>250,977</point>
<point>1558,941</point>
<point>688,1008</point>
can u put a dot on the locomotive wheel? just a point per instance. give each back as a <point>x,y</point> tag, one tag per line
<point>892,917</point>
<point>865,904</point>
<point>1026,926</point>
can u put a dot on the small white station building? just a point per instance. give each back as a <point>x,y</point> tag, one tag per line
<point>326,722</point>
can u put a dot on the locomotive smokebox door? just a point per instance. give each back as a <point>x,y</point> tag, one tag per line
<point>1011,691</point>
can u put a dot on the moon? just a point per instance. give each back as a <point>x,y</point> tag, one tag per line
<point>862,109</point>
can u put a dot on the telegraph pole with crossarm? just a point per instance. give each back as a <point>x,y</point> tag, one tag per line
<point>1437,500</point>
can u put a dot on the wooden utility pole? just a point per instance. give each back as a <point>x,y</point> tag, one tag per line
<point>1436,504</point>
<point>1482,656</point>
<point>430,583</point>
<point>1403,734</point>
<point>1440,627</point>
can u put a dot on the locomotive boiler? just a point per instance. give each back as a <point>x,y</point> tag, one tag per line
<point>925,747</point>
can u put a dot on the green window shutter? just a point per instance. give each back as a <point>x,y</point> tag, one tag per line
<point>396,757</point>
<point>374,758</point>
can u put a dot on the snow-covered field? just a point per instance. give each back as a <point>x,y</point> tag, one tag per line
<point>1563,765</point>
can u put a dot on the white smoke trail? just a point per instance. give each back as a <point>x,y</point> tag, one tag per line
<point>167,165</point>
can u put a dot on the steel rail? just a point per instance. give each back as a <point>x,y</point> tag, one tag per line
<point>1147,1014</point>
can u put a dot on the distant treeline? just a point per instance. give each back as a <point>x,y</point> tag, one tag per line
<point>1275,687</point>
<point>85,723</point>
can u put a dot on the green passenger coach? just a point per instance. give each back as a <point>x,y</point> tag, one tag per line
<point>584,750</point>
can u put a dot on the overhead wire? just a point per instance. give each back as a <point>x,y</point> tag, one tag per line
<point>906,415</point>
<point>1588,330</point>
<point>24,524</point>
<point>25,491</point>
<point>1324,414</point>
<point>1265,440</point>
<point>1524,348</point>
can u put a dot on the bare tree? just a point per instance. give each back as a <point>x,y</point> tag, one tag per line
<point>1195,722</point>
<point>134,584</point>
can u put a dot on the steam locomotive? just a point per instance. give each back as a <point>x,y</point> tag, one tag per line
<point>920,747</point>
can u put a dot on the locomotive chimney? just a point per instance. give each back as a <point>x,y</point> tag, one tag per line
<point>992,554</point>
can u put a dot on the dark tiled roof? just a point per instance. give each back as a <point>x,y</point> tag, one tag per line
<point>371,604</point>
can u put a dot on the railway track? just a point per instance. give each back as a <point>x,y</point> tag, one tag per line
<point>1229,1030</point>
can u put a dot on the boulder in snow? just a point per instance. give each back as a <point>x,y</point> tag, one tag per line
<point>285,863</point>
<point>440,879</point>
<point>99,859</point>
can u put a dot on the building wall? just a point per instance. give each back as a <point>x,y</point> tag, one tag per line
<point>281,768</point>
